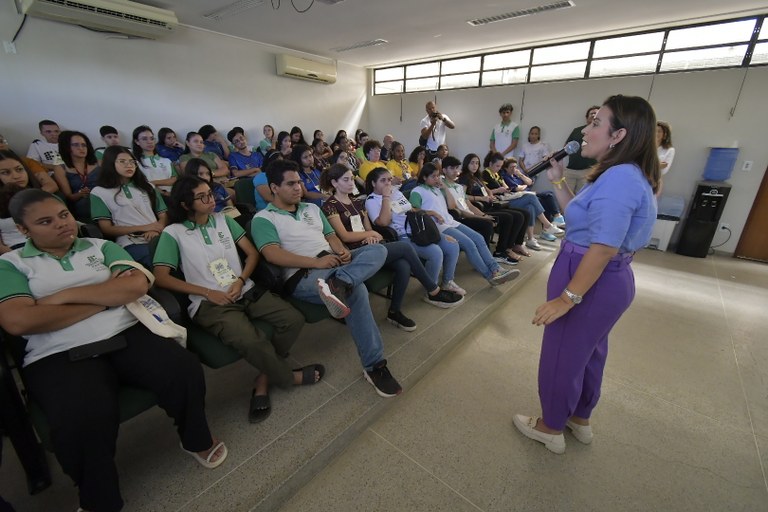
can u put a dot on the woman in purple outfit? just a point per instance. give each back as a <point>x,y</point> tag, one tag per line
<point>591,283</point>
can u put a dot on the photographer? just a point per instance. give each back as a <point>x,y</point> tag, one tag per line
<point>433,129</point>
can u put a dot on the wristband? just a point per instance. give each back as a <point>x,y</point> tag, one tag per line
<point>240,278</point>
<point>558,183</point>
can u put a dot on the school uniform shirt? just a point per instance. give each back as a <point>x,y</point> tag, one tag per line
<point>10,234</point>
<point>401,169</point>
<point>618,210</point>
<point>502,136</point>
<point>425,197</point>
<point>398,204</point>
<point>311,182</point>
<point>156,168</point>
<point>258,180</point>
<point>171,153</point>
<point>45,152</point>
<point>345,213</point>
<point>241,162</point>
<point>125,206</point>
<point>29,272</point>
<point>458,193</point>
<point>367,166</point>
<point>193,248</point>
<point>303,232</point>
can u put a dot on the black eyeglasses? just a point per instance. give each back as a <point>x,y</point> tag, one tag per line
<point>204,198</point>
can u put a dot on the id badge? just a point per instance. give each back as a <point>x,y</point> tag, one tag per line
<point>357,223</point>
<point>485,192</point>
<point>222,272</point>
<point>401,206</point>
<point>463,203</point>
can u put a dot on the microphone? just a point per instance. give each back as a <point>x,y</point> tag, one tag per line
<point>569,149</point>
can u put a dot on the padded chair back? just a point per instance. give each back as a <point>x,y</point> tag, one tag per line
<point>244,192</point>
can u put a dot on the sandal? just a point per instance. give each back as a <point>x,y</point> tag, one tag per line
<point>206,461</point>
<point>521,250</point>
<point>260,408</point>
<point>308,374</point>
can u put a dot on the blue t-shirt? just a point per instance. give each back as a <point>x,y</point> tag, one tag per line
<point>211,146</point>
<point>220,195</point>
<point>242,162</point>
<point>312,183</point>
<point>618,210</point>
<point>172,154</point>
<point>259,179</point>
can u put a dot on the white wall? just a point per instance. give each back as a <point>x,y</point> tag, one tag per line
<point>697,105</point>
<point>84,80</point>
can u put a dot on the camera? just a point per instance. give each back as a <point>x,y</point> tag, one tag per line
<point>434,115</point>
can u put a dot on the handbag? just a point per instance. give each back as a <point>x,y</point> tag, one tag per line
<point>421,229</point>
<point>150,312</point>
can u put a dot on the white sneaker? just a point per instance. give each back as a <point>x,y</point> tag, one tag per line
<point>531,243</point>
<point>554,230</point>
<point>559,221</point>
<point>552,442</point>
<point>581,432</point>
<point>502,275</point>
<point>451,286</point>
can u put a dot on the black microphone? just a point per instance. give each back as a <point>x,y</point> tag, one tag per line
<point>569,149</point>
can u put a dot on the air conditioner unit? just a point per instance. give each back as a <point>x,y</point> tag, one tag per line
<point>303,69</point>
<point>119,16</point>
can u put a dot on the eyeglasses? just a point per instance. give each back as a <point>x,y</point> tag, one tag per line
<point>130,162</point>
<point>78,145</point>
<point>204,198</point>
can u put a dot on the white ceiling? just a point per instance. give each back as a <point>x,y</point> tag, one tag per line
<point>424,29</point>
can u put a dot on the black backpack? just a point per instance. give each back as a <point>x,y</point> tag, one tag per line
<point>421,228</point>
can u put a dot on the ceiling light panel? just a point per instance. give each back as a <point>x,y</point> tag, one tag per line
<point>520,13</point>
<point>363,44</point>
<point>232,9</point>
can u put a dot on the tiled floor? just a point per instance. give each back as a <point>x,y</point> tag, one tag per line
<point>682,424</point>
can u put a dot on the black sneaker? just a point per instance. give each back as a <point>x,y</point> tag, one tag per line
<point>504,259</point>
<point>444,299</point>
<point>334,295</point>
<point>383,381</point>
<point>398,319</point>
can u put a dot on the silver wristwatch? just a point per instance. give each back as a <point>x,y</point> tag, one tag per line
<point>576,299</point>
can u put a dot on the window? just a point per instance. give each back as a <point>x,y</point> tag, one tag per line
<point>719,44</point>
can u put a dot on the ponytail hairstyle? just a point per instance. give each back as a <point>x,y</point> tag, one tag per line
<point>373,176</point>
<point>334,172</point>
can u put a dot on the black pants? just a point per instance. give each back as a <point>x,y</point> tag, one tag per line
<point>512,223</point>
<point>79,400</point>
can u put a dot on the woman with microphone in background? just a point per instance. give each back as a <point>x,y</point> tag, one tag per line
<point>591,283</point>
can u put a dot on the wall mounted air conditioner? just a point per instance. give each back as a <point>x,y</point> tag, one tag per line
<point>303,69</point>
<point>120,16</point>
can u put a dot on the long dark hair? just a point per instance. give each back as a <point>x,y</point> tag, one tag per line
<point>193,168</point>
<point>491,158</point>
<point>8,191</point>
<point>414,156</point>
<point>181,198</point>
<point>109,178</point>
<point>189,136</point>
<point>163,133</point>
<point>373,176</point>
<point>666,139</point>
<point>65,150</point>
<point>427,169</point>
<point>135,136</point>
<point>297,151</point>
<point>301,140</point>
<point>466,175</point>
<point>636,116</point>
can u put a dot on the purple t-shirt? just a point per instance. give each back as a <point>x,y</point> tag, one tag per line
<point>618,210</point>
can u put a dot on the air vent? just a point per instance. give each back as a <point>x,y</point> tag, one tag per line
<point>232,9</point>
<point>522,12</point>
<point>364,44</point>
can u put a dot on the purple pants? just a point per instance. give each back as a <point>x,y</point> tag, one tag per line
<point>575,346</point>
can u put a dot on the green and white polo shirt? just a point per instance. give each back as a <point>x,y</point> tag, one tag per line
<point>125,206</point>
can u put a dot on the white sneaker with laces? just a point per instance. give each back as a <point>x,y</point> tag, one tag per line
<point>453,287</point>
<point>554,230</point>
<point>531,243</point>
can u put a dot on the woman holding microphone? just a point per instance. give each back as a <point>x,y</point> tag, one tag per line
<point>591,283</point>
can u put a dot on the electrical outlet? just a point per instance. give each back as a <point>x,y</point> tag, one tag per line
<point>9,47</point>
<point>747,165</point>
<point>725,225</point>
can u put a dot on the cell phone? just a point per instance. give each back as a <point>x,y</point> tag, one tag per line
<point>98,348</point>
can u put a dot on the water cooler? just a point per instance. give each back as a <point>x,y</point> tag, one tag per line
<point>703,218</point>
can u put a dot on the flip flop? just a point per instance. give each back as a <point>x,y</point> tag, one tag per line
<point>308,374</point>
<point>206,461</point>
<point>522,252</point>
<point>260,408</point>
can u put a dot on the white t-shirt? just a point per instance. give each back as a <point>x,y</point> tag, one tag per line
<point>10,233</point>
<point>534,153</point>
<point>437,136</point>
<point>398,204</point>
<point>666,155</point>
<point>45,152</point>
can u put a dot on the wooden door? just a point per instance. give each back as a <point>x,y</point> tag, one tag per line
<point>753,244</point>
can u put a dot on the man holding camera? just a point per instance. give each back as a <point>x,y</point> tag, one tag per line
<point>433,129</point>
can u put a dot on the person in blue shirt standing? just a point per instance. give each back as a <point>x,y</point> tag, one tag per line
<point>591,283</point>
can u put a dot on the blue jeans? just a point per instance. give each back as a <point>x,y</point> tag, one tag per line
<point>366,261</point>
<point>473,244</point>
<point>530,203</point>
<point>549,203</point>
<point>140,253</point>
<point>444,254</point>
<point>404,261</point>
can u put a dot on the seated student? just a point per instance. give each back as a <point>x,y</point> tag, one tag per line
<point>296,236</point>
<point>478,193</point>
<point>398,166</point>
<point>386,147</point>
<point>196,149</point>
<point>518,181</point>
<point>283,148</point>
<point>310,176</point>
<point>78,173</point>
<point>341,157</point>
<point>360,139</point>
<point>222,196</point>
<point>169,146</point>
<point>372,151</point>
<point>387,206</point>
<point>442,152</point>
<point>46,151</point>
<point>268,142</point>
<point>508,224</point>
<point>39,172</point>
<point>213,142</point>
<point>297,137</point>
<point>159,170</point>
<point>60,293</point>
<point>14,177</point>
<point>110,137</point>
<point>416,160</point>
<point>244,161</point>
<point>341,136</point>
<point>126,206</point>
<point>430,196</point>
<point>529,201</point>
<point>350,221</point>
<point>223,298</point>
<point>321,152</point>
<point>327,151</point>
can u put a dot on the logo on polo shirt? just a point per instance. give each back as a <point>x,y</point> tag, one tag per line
<point>95,263</point>
<point>307,218</point>
<point>224,240</point>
